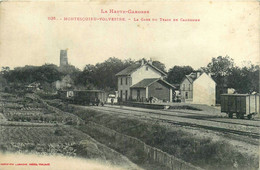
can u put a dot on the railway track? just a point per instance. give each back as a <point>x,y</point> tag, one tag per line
<point>148,116</point>
<point>198,116</point>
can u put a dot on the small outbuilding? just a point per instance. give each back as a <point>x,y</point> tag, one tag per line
<point>152,88</point>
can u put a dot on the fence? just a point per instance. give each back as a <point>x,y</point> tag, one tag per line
<point>153,154</point>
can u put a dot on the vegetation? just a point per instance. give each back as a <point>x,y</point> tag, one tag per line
<point>102,75</point>
<point>39,139</point>
<point>29,74</point>
<point>49,140</point>
<point>245,79</point>
<point>203,152</point>
<point>226,74</point>
<point>24,110</point>
<point>38,130</point>
<point>177,73</point>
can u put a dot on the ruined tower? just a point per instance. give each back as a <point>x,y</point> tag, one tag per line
<point>63,58</point>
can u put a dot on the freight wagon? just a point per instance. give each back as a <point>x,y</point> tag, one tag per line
<point>240,104</point>
<point>83,97</point>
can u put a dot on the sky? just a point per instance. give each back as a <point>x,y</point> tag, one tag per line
<point>27,37</point>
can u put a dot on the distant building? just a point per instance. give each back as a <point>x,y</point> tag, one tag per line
<point>32,87</point>
<point>186,87</point>
<point>63,58</point>
<point>142,80</point>
<point>65,83</point>
<point>198,88</point>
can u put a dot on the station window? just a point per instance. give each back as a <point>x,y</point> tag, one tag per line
<point>126,80</point>
<point>183,86</point>
<point>121,81</point>
<point>147,68</point>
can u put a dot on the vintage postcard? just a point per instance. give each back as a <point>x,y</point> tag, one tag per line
<point>129,85</point>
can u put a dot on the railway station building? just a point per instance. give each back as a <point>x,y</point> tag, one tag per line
<point>153,87</point>
<point>143,80</point>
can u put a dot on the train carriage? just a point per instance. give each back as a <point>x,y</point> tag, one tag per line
<point>240,104</point>
<point>84,97</point>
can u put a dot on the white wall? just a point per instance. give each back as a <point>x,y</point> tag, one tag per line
<point>138,75</point>
<point>204,90</point>
<point>123,87</point>
<point>142,73</point>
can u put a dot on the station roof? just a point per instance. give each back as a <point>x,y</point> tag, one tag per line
<point>147,82</point>
<point>129,70</point>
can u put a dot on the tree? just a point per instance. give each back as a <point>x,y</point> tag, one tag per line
<point>3,82</point>
<point>155,63</point>
<point>68,69</point>
<point>102,75</point>
<point>29,74</point>
<point>159,65</point>
<point>220,66</point>
<point>245,79</point>
<point>5,70</point>
<point>177,73</point>
<point>71,72</point>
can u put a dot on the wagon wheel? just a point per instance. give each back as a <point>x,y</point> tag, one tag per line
<point>230,115</point>
<point>249,116</point>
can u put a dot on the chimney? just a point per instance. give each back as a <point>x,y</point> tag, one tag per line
<point>142,62</point>
<point>150,61</point>
<point>198,74</point>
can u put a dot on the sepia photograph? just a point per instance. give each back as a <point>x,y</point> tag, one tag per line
<point>129,85</point>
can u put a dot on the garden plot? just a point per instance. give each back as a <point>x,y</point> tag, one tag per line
<point>30,109</point>
<point>57,140</point>
<point>38,116</point>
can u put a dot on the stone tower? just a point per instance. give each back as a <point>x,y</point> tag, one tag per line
<point>63,58</point>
